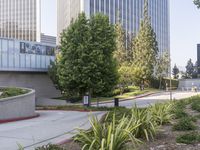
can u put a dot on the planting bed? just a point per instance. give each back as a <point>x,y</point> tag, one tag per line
<point>16,104</point>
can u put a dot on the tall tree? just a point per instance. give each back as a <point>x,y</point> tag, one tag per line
<point>120,53</point>
<point>74,46</point>
<point>162,66</point>
<point>189,68</point>
<point>87,63</point>
<point>104,74</point>
<point>197,2</point>
<point>145,49</point>
<point>175,72</point>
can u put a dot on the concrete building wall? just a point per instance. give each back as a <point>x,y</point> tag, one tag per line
<point>66,11</point>
<point>39,81</point>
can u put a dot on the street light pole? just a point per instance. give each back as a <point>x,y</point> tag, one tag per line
<point>170,79</point>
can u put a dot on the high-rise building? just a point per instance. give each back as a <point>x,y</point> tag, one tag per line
<point>20,19</point>
<point>129,11</point>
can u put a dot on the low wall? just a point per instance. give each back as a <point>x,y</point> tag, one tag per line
<point>187,84</point>
<point>17,107</point>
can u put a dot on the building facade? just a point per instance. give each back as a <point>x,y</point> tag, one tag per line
<point>47,39</point>
<point>25,56</point>
<point>130,13</point>
<point>20,19</point>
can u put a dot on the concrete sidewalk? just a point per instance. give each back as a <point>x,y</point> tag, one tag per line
<point>50,127</point>
<point>152,99</point>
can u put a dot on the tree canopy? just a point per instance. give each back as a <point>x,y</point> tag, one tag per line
<point>87,63</point>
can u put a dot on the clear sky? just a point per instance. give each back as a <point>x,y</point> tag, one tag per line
<point>185,28</point>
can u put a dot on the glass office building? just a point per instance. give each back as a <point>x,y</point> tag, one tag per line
<point>20,19</point>
<point>18,55</point>
<point>130,13</point>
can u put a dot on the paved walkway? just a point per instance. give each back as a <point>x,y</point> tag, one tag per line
<point>50,127</point>
<point>152,99</point>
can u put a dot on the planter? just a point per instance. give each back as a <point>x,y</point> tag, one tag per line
<point>18,107</point>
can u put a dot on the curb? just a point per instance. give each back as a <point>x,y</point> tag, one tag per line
<point>19,119</point>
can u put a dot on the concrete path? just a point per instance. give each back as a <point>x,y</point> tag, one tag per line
<point>152,99</point>
<point>50,127</point>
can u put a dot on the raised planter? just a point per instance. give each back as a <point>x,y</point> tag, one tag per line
<point>18,107</point>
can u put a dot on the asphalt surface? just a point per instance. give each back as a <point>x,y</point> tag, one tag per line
<point>152,99</point>
<point>50,127</point>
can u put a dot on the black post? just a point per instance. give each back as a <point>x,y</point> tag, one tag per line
<point>116,102</point>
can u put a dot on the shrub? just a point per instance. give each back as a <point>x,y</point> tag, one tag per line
<point>196,105</point>
<point>49,147</point>
<point>189,138</point>
<point>184,124</point>
<point>108,136</point>
<point>147,127</point>
<point>162,113</point>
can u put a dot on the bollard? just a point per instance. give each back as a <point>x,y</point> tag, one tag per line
<point>116,101</point>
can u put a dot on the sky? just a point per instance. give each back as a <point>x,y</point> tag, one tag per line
<point>184,28</point>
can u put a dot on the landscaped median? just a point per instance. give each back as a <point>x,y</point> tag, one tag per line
<point>171,125</point>
<point>16,104</point>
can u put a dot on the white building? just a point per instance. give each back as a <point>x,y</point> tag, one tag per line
<point>20,19</point>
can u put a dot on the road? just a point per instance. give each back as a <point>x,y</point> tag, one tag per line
<point>51,126</point>
<point>152,99</point>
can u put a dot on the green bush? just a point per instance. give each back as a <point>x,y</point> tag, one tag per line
<point>189,138</point>
<point>184,124</point>
<point>108,135</point>
<point>196,104</point>
<point>161,113</point>
<point>148,127</point>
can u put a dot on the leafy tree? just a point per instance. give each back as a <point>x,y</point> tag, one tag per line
<point>162,67</point>
<point>87,63</point>
<point>197,2</point>
<point>126,77</point>
<point>104,74</point>
<point>145,49</point>
<point>189,68</point>
<point>120,53</point>
<point>175,72</point>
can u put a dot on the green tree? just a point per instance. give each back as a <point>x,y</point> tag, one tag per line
<point>87,63</point>
<point>197,2</point>
<point>162,67</point>
<point>145,49</point>
<point>126,77</point>
<point>103,44</point>
<point>120,53</point>
<point>175,72</point>
<point>189,68</point>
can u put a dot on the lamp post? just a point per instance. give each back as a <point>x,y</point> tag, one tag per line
<point>170,78</point>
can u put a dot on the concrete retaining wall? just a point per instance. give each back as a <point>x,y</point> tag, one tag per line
<point>187,84</point>
<point>21,106</point>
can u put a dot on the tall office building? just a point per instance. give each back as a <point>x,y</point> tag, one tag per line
<point>130,13</point>
<point>20,19</point>
<point>198,58</point>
